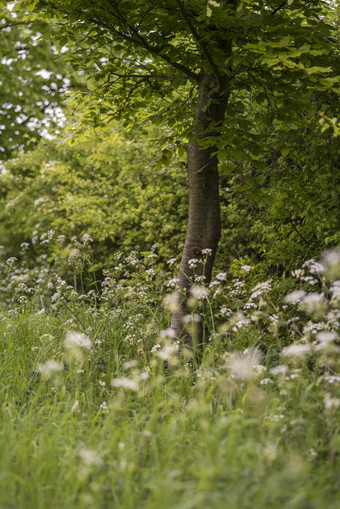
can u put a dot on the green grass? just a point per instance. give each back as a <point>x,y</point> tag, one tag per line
<point>189,437</point>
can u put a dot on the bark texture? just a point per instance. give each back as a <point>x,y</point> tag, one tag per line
<point>204,223</point>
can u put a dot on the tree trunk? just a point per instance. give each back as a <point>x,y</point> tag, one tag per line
<point>204,224</point>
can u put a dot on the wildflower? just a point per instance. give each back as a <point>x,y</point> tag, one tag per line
<point>172,282</point>
<point>199,292</point>
<point>281,369</point>
<point>313,267</point>
<point>126,383</point>
<point>191,318</point>
<point>168,333</point>
<point>75,405</point>
<point>221,276</point>
<point>225,311</point>
<point>167,352</point>
<point>298,273</point>
<point>313,302</point>
<point>244,366</point>
<point>77,339</point>
<point>50,367</point>
<point>330,402</point>
<point>103,406</point>
<point>155,348</point>
<point>296,350</point>
<point>199,279</point>
<point>171,302</point>
<point>246,268</point>
<point>206,251</point>
<point>331,261</point>
<point>214,283</point>
<point>192,263</point>
<point>331,379</point>
<point>325,338</point>
<point>86,238</point>
<point>260,289</point>
<point>150,272</point>
<point>266,381</point>
<point>172,261</point>
<point>335,291</point>
<point>295,296</point>
<point>130,364</point>
<point>90,457</point>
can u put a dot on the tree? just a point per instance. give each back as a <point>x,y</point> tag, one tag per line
<point>192,64</point>
<point>32,82</point>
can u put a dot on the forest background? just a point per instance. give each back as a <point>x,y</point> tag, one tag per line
<point>93,219</point>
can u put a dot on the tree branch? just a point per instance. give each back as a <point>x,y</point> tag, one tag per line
<point>145,45</point>
<point>200,43</point>
<point>274,11</point>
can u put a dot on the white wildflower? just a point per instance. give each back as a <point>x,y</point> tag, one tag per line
<point>331,379</point>
<point>225,311</point>
<point>77,339</point>
<point>325,338</point>
<point>90,457</point>
<point>75,405</point>
<point>281,369</point>
<point>313,267</point>
<point>294,297</point>
<point>246,268</point>
<point>155,348</point>
<point>296,350</point>
<point>50,367</point>
<point>330,402</point>
<point>221,276</point>
<point>260,289</point>
<point>168,333</point>
<point>206,251</point>
<point>298,273</point>
<point>167,352</point>
<point>126,383</point>
<point>103,406</point>
<point>172,261</point>
<point>244,366</point>
<point>313,302</point>
<point>86,238</point>
<point>199,292</point>
<point>193,262</point>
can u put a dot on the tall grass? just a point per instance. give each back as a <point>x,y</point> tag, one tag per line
<point>124,418</point>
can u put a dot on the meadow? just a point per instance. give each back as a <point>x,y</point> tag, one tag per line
<point>100,407</point>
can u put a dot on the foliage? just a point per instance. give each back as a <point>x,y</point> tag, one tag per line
<point>33,82</point>
<point>104,188</point>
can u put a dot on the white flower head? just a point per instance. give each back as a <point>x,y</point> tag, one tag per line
<point>77,339</point>
<point>313,302</point>
<point>246,268</point>
<point>167,352</point>
<point>193,262</point>
<point>296,350</point>
<point>50,367</point>
<point>221,276</point>
<point>90,458</point>
<point>199,292</point>
<point>126,383</point>
<point>330,402</point>
<point>206,251</point>
<point>294,297</point>
<point>245,365</point>
<point>281,369</point>
<point>168,333</point>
